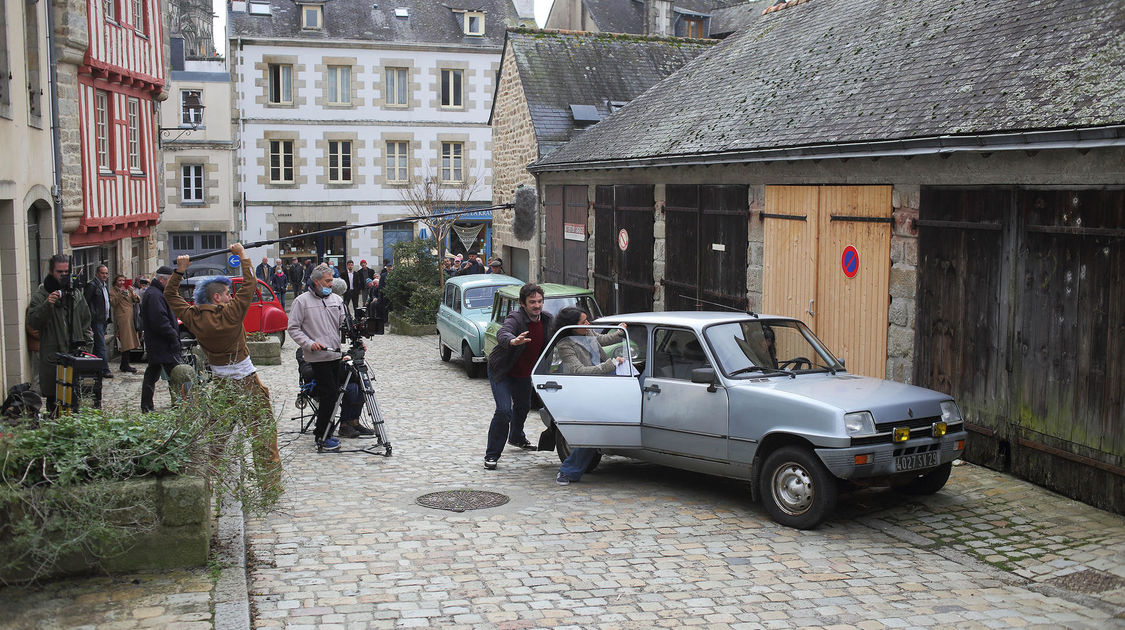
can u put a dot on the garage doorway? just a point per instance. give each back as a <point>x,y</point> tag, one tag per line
<point>624,215</point>
<point>706,238</point>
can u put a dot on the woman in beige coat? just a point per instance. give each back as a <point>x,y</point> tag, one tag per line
<point>121,300</point>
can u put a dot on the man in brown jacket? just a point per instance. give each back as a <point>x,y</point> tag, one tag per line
<point>216,321</point>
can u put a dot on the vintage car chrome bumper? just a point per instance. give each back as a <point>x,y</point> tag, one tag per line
<point>883,459</point>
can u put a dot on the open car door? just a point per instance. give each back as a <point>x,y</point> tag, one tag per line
<point>590,407</point>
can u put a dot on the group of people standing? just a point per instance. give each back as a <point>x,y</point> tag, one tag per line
<point>469,264</point>
<point>362,283</point>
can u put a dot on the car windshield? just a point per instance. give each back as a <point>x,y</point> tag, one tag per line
<point>480,297</point>
<point>585,302</point>
<point>769,347</point>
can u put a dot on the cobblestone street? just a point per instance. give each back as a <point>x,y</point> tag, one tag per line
<point>631,546</point>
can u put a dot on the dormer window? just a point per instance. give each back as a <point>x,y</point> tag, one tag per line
<point>474,23</point>
<point>311,17</point>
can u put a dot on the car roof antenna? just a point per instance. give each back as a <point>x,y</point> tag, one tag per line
<point>699,302</point>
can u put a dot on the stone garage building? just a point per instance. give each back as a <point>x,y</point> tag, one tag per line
<point>554,85</point>
<point>937,189</point>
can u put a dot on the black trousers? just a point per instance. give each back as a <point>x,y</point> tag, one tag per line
<point>148,385</point>
<point>327,375</point>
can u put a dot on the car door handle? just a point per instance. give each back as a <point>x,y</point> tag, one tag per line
<point>549,385</point>
<point>652,388</point>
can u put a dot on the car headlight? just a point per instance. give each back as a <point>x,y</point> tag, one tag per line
<point>859,423</point>
<point>949,412</point>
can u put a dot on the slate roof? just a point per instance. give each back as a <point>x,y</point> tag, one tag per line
<point>562,68</point>
<point>841,71</point>
<point>429,22</point>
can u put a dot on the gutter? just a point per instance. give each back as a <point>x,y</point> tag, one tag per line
<point>56,143</point>
<point>1083,139</point>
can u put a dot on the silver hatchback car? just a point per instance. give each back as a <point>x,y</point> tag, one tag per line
<point>751,397</point>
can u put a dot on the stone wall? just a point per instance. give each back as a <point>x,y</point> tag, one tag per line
<point>905,200</point>
<point>514,146</point>
<point>181,537</point>
<point>72,38</point>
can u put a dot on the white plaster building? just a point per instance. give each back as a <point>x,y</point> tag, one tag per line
<point>342,106</point>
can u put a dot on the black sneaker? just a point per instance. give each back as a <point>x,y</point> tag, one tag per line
<point>524,444</point>
<point>562,479</point>
<point>490,463</point>
<point>363,430</point>
<point>107,375</point>
<point>347,431</point>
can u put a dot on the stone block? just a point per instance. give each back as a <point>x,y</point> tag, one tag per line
<point>266,352</point>
<point>184,501</point>
<point>900,341</point>
<point>906,196</point>
<point>904,281</point>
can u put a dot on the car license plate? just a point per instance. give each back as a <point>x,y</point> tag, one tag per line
<point>916,461</point>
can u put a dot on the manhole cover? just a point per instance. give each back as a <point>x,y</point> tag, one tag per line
<point>461,500</point>
<point>1088,581</point>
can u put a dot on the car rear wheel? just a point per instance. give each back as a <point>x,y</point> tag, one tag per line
<point>796,489</point>
<point>471,369</point>
<point>563,449</point>
<point>927,483</point>
<point>446,353</point>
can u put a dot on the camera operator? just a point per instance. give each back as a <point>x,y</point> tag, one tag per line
<point>315,320</point>
<point>62,317</point>
<point>216,321</point>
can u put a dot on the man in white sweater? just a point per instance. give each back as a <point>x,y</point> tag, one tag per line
<point>314,323</point>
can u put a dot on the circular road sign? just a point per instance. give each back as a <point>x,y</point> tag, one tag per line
<point>849,262</point>
<point>623,240</point>
<point>234,260</point>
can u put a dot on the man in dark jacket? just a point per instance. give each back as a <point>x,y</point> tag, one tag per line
<point>97,298</point>
<point>296,273</point>
<point>162,335</point>
<point>62,318</point>
<point>263,271</point>
<point>519,343</point>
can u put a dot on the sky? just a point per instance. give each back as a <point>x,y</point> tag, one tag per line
<point>542,7</point>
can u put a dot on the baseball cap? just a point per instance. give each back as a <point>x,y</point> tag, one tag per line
<point>164,270</point>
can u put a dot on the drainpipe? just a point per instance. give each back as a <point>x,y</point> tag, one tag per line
<point>56,142</point>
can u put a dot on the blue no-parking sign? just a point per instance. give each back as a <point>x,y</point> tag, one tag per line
<point>234,260</point>
<point>850,261</point>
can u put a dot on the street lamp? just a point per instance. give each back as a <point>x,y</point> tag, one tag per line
<point>193,104</point>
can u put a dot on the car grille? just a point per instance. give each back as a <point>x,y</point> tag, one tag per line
<point>919,427</point>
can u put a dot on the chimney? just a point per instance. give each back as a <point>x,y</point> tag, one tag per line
<point>658,18</point>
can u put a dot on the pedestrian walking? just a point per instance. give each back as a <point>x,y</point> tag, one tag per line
<point>124,301</point>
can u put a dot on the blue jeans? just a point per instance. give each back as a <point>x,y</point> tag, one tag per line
<point>575,464</point>
<point>513,401</point>
<point>99,344</point>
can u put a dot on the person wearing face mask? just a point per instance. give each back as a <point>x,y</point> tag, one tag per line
<point>61,316</point>
<point>216,321</point>
<point>314,324</point>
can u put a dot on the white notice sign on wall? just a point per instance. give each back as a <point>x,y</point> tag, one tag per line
<point>574,231</point>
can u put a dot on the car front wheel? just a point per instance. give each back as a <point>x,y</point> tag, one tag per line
<point>471,369</point>
<point>927,483</point>
<point>796,489</point>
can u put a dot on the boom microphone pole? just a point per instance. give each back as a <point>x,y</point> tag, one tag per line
<point>523,222</point>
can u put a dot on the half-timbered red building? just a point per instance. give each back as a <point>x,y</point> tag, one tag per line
<point>120,77</point>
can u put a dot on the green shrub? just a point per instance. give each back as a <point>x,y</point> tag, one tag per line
<point>414,281</point>
<point>54,496</point>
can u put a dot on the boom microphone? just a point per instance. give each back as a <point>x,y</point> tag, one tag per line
<point>523,223</point>
<point>339,287</point>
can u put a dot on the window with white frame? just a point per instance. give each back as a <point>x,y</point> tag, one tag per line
<point>281,161</point>
<point>396,161</point>
<point>101,129</point>
<point>139,16</point>
<point>109,6</point>
<point>191,107</point>
<point>451,88</point>
<point>451,154</point>
<point>280,83</point>
<point>397,87</point>
<point>474,23</point>
<point>191,183</point>
<point>310,16</point>
<point>340,161</point>
<point>133,124</point>
<point>339,85</point>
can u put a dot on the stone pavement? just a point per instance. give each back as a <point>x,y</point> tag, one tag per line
<point>631,546</point>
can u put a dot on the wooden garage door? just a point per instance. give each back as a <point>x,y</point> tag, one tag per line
<point>706,238</point>
<point>565,259</point>
<point>807,230</point>
<point>623,280</point>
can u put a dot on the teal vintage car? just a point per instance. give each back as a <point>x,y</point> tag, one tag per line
<point>555,298</point>
<point>466,307</point>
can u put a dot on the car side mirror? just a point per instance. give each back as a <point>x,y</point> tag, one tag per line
<point>705,376</point>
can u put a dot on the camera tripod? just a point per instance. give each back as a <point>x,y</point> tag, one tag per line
<point>369,416</point>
